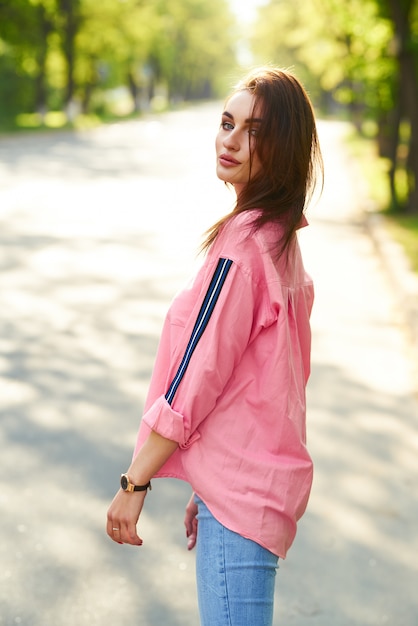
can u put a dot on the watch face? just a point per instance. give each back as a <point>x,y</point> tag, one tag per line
<point>124,482</point>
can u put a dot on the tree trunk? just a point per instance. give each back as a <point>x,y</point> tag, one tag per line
<point>45,28</point>
<point>388,141</point>
<point>408,71</point>
<point>134,91</point>
<point>71,23</point>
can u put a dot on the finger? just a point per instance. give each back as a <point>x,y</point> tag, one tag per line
<point>192,535</point>
<point>191,542</point>
<point>116,535</point>
<point>113,530</point>
<point>128,534</point>
<point>189,526</point>
<point>190,519</point>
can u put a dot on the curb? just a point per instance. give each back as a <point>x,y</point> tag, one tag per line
<point>403,280</point>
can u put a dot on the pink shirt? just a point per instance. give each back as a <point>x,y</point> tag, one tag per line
<point>229,385</point>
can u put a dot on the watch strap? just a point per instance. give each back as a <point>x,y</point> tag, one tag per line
<point>142,487</point>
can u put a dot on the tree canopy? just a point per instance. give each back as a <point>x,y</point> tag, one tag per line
<point>363,53</point>
<point>55,53</point>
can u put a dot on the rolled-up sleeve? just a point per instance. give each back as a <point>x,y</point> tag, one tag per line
<point>205,346</point>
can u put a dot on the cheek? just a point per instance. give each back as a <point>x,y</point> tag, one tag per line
<point>257,162</point>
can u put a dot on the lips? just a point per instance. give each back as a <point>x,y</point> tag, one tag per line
<point>227,161</point>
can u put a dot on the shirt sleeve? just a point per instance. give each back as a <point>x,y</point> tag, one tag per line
<point>224,316</point>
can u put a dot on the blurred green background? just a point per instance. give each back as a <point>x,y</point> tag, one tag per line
<point>81,62</point>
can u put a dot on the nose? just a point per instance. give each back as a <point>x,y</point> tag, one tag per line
<point>230,142</point>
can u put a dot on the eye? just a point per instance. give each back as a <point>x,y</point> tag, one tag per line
<point>227,125</point>
<point>253,132</point>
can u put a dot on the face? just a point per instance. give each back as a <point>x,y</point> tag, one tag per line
<point>236,141</point>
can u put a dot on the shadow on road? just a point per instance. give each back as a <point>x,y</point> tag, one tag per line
<point>92,250</point>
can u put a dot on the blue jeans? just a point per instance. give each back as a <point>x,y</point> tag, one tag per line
<point>235,576</point>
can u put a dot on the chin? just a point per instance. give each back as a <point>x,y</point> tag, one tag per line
<point>222,177</point>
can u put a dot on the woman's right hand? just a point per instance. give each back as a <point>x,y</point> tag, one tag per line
<point>123,515</point>
<point>190,522</point>
<point>124,512</point>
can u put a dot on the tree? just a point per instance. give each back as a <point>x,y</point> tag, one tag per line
<point>69,23</point>
<point>404,15</point>
<point>113,46</point>
<point>66,51</point>
<point>192,48</point>
<point>364,53</point>
<point>25,27</point>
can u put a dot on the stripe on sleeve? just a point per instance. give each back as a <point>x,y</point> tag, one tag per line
<point>206,310</point>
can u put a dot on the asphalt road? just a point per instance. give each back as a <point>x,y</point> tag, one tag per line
<point>98,231</point>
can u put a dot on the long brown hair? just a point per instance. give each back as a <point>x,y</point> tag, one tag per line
<point>288,147</point>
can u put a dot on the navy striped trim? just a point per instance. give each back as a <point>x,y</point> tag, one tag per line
<point>202,321</point>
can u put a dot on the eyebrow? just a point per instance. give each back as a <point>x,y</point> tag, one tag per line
<point>249,120</point>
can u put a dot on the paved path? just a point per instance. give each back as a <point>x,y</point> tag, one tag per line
<point>98,230</point>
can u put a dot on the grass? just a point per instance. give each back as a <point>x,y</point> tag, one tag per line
<point>373,168</point>
<point>403,228</point>
<point>118,108</point>
<point>54,120</point>
<point>57,120</point>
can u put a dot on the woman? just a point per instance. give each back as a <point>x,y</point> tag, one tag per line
<point>226,405</point>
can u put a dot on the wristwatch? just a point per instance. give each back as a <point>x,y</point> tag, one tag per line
<point>126,484</point>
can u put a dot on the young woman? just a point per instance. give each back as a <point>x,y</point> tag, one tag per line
<point>226,405</point>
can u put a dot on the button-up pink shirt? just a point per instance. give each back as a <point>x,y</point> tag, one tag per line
<point>229,385</point>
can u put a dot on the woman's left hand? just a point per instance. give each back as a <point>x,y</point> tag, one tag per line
<point>190,522</point>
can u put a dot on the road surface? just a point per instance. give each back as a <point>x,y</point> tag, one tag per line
<point>98,231</point>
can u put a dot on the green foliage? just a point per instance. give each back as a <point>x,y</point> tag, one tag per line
<point>192,47</point>
<point>362,53</point>
<point>335,47</point>
<point>404,229</point>
<point>57,52</point>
